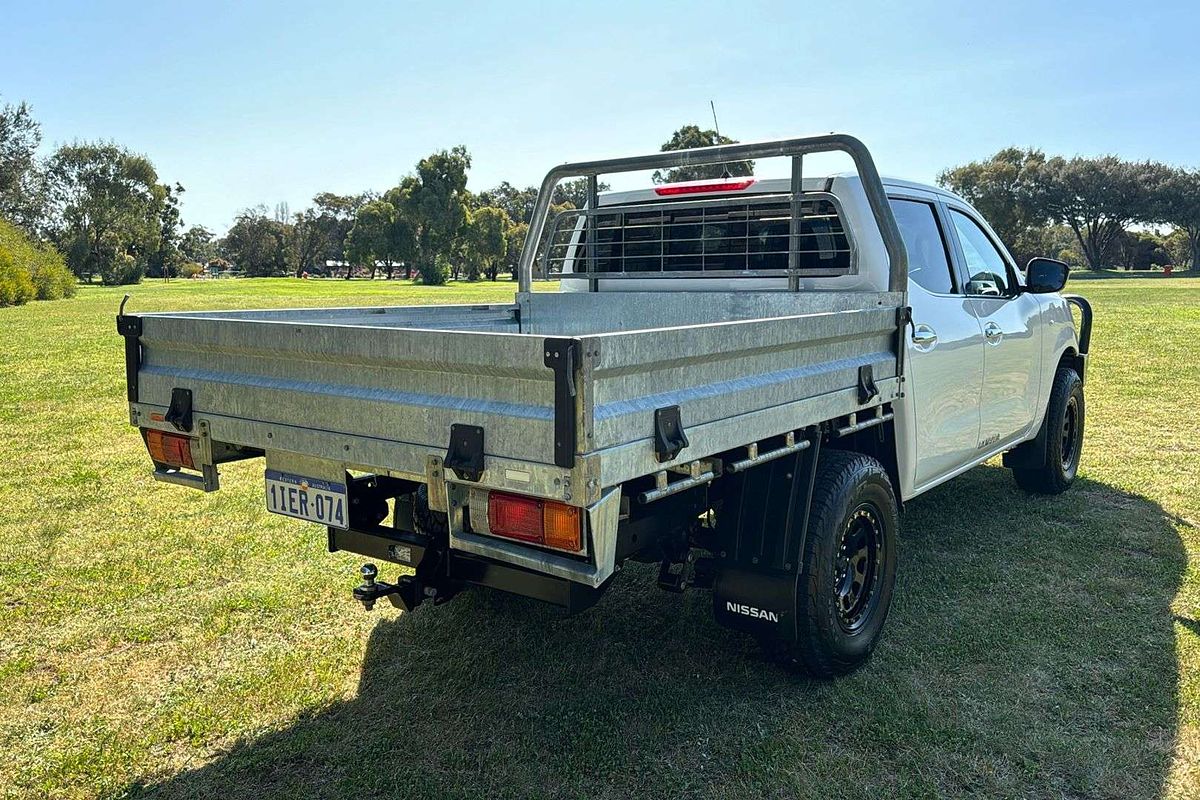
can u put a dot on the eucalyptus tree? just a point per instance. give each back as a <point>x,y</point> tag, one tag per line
<point>106,209</point>
<point>21,186</point>
<point>1097,198</point>
<point>1177,203</point>
<point>690,136</point>
<point>434,203</point>
<point>487,242</point>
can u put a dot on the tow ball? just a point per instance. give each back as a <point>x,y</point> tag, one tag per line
<point>404,593</point>
<point>408,592</point>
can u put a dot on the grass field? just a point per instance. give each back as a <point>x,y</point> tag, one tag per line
<point>155,641</point>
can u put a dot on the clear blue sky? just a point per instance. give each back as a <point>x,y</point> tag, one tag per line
<point>260,103</point>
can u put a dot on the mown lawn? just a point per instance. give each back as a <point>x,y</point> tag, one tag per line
<point>158,642</point>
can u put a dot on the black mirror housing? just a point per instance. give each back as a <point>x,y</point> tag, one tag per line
<point>1045,275</point>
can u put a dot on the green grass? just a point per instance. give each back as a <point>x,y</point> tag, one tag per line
<point>159,642</point>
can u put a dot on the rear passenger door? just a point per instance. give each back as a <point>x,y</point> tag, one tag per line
<point>945,347</point>
<point>1010,321</point>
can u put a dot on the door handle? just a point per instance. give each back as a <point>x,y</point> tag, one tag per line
<point>993,333</point>
<point>924,337</point>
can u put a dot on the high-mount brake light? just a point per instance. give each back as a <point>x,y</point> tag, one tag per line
<point>170,449</point>
<point>700,187</point>
<point>528,519</point>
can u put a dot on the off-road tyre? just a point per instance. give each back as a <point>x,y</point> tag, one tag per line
<point>852,542</point>
<point>1062,429</point>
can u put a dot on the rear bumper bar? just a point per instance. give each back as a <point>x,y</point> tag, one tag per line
<point>414,550</point>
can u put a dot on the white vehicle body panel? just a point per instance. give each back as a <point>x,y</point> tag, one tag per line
<point>983,384</point>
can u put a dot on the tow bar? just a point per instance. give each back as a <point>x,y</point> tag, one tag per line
<point>408,592</point>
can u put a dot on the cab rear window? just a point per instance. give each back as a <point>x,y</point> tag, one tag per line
<point>715,237</point>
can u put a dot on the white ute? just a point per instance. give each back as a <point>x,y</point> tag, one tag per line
<point>742,381</point>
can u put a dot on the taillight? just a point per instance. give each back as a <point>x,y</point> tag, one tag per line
<point>170,448</point>
<point>528,519</point>
<point>515,517</point>
<point>699,187</point>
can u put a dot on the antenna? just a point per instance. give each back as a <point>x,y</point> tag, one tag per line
<point>717,129</point>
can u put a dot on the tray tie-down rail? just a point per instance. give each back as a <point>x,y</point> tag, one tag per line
<point>705,470</point>
<point>795,149</point>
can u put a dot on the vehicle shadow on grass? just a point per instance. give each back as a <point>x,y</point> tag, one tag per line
<point>1030,652</point>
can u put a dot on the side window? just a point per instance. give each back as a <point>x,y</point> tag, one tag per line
<point>928,263</point>
<point>986,269</point>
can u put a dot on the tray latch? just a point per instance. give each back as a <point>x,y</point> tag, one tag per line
<point>669,436</point>
<point>179,413</point>
<point>465,453</point>
<point>867,390</point>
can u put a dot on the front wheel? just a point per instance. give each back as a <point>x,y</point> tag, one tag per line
<point>848,569</point>
<point>1062,430</point>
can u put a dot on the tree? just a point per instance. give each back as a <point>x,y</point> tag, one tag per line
<point>1141,250</point>
<point>573,193</point>
<point>488,243</point>
<point>371,239</point>
<point>1097,198</point>
<point>258,244</point>
<point>197,244</point>
<point>690,136</point>
<point>312,231</point>
<point>106,210</point>
<point>517,203</point>
<point>515,241</point>
<point>1177,203</point>
<point>1179,249</point>
<point>167,258</point>
<point>334,217</point>
<point>434,202</point>
<point>1002,188</point>
<point>21,187</point>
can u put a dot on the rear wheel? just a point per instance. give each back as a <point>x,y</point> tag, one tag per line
<point>848,568</point>
<point>1062,430</point>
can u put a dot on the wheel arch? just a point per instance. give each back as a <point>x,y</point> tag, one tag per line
<point>880,443</point>
<point>1071,357</point>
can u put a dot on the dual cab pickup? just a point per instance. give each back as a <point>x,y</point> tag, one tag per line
<point>742,381</point>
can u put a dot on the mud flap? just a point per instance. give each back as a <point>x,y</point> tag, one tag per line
<point>761,531</point>
<point>756,602</point>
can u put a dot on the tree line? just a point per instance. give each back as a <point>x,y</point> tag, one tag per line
<point>101,207</point>
<point>1091,212</point>
<point>429,226</point>
<point>103,212</point>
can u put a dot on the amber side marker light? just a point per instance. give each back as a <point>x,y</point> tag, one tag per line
<point>169,448</point>
<point>528,519</point>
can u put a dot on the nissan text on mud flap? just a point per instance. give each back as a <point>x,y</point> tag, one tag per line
<point>741,381</point>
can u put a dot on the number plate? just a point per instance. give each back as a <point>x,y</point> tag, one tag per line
<point>312,499</point>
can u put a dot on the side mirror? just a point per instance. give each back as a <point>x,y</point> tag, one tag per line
<point>1045,275</point>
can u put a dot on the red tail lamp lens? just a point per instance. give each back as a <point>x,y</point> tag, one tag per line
<point>515,517</point>
<point>170,449</point>
<point>528,519</point>
<point>702,187</point>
